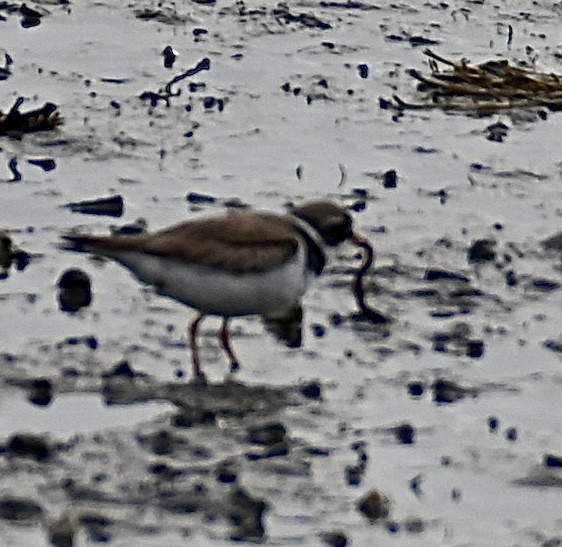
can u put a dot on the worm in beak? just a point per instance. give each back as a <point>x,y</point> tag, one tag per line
<point>358,290</point>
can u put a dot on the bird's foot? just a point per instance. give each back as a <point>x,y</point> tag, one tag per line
<point>234,366</point>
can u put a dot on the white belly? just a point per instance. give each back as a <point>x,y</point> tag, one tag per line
<point>217,292</point>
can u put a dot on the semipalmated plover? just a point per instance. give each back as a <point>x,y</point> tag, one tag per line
<point>243,263</point>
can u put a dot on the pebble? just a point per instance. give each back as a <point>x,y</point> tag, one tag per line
<point>14,508</point>
<point>75,290</point>
<point>27,445</point>
<point>375,505</point>
<point>481,250</point>
<point>405,433</point>
<point>334,538</point>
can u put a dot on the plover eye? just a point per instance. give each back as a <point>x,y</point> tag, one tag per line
<point>336,229</point>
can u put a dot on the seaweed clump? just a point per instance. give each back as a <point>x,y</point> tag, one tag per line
<point>492,86</point>
<point>41,119</point>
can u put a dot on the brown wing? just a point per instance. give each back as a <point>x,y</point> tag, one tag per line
<point>243,242</point>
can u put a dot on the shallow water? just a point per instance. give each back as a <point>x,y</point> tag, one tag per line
<point>472,363</point>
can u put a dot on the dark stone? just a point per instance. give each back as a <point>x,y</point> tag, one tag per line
<point>553,345</point>
<point>312,390</point>
<point>545,285</point>
<point>112,206</point>
<point>448,391</point>
<point>415,389</point>
<point>334,538</point>
<point>405,433</point>
<point>41,392</point>
<point>209,102</point>
<point>354,474</point>
<point>226,472</point>
<point>318,330</point>
<point>363,70</point>
<point>511,279</point>
<point>493,424</point>
<point>169,56</point>
<point>198,198</point>
<point>481,250</point>
<point>19,509</point>
<point>374,505</point>
<point>474,348</point>
<point>414,526</point>
<point>390,179</point>
<point>336,319</point>
<point>27,445</point>
<point>415,485</point>
<point>550,460</point>
<point>75,290</point>
<point>437,274</point>
<point>45,164</point>
<point>511,434</point>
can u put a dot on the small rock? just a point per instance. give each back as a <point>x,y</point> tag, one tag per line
<point>415,389</point>
<point>511,434</point>
<point>27,445</point>
<point>111,206</point>
<point>511,278</point>
<point>363,70</point>
<point>390,179</point>
<point>414,526</point>
<point>474,348</point>
<point>405,433</point>
<point>75,290</point>
<point>375,505</point>
<point>334,538</point>
<point>415,485</point>
<point>551,460</point>
<point>226,472</point>
<point>481,250</point>
<point>497,132</point>
<point>438,274</point>
<point>354,474</point>
<point>41,392</point>
<point>493,424</point>
<point>19,509</point>
<point>312,390</point>
<point>448,391</point>
<point>198,198</point>
<point>170,56</point>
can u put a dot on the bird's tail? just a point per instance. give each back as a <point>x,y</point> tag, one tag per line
<point>79,243</point>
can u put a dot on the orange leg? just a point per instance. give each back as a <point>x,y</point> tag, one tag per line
<point>197,372</point>
<point>225,341</point>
